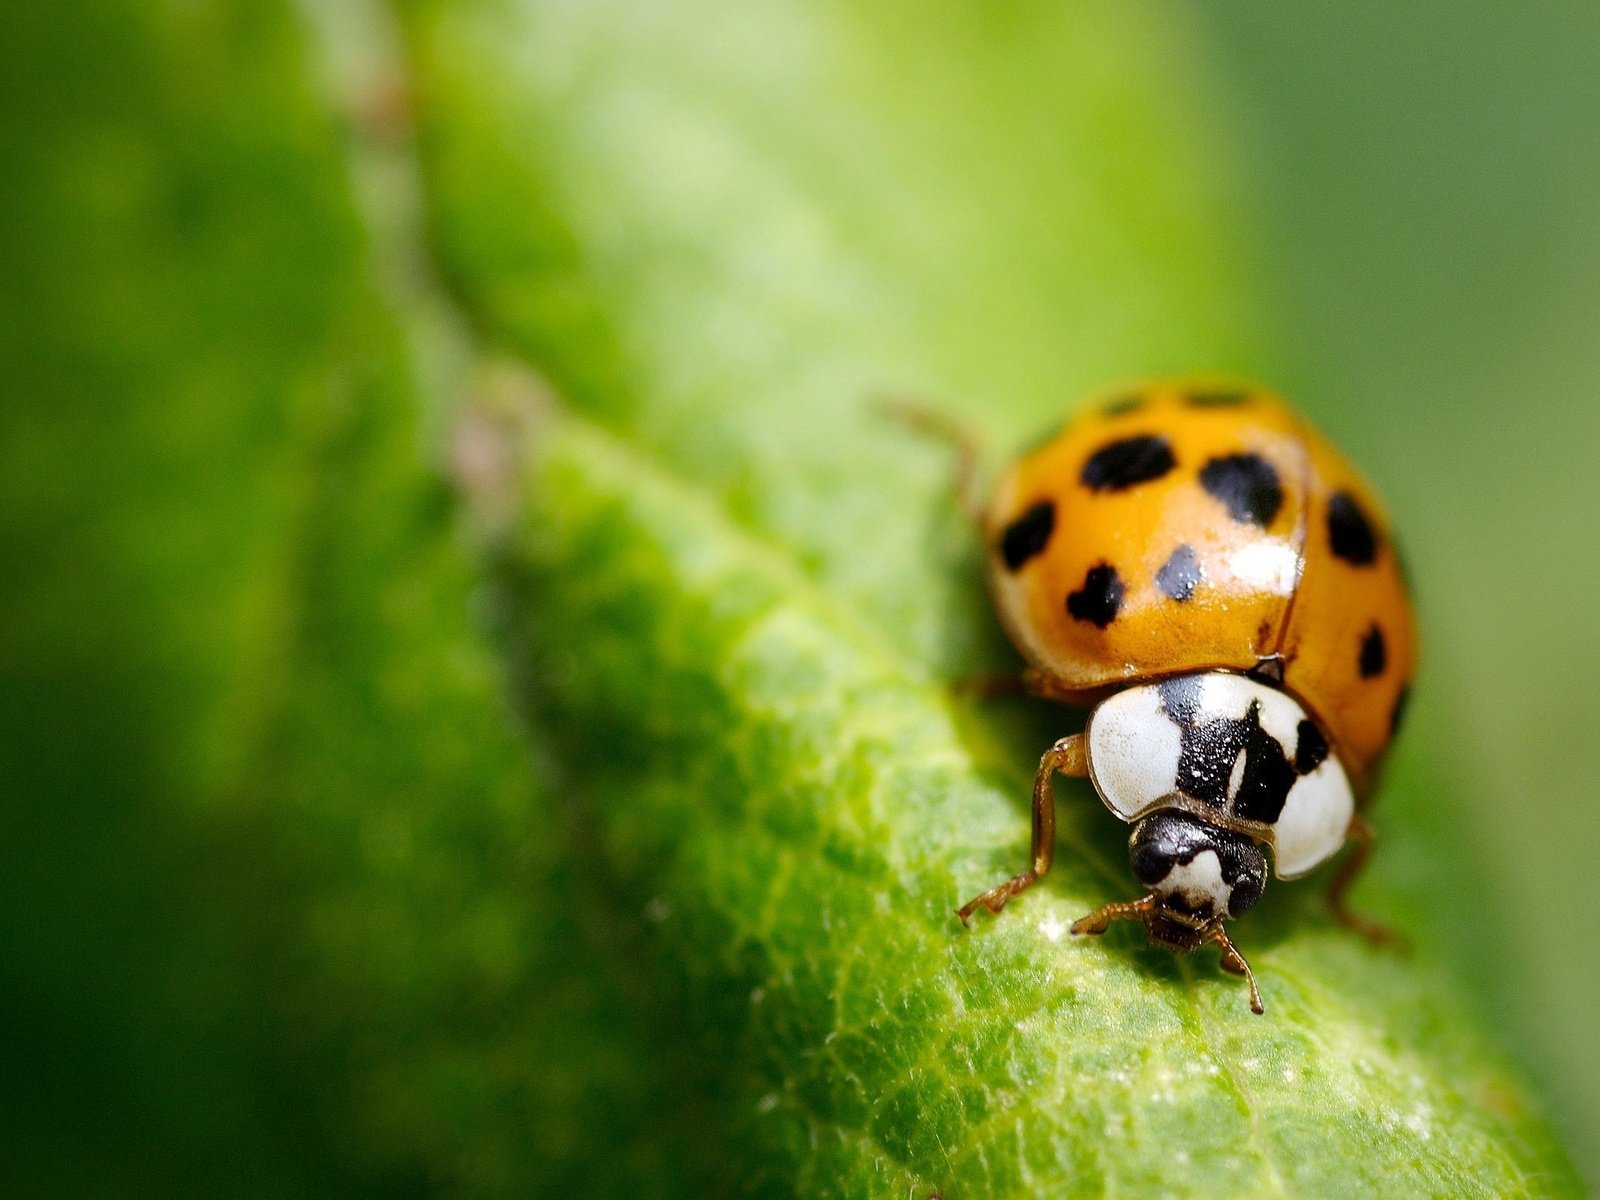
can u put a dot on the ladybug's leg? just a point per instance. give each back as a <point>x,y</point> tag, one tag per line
<point>1344,878</point>
<point>991,687</point>
<point>1068,757</point>
<point>1124,910</point>
<point>1234,963</point>
<point>1046,687</point>
<point>932,423</point>
<point>1029,682</point>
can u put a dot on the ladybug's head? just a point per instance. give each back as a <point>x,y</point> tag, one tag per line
<point>1198,873</point>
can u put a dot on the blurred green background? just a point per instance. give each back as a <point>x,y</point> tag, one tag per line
<point>1423,203</point>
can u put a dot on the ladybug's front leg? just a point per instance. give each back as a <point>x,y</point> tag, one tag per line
<point>1233,962</point>
<point>1068,756</point>
<point>1379,934</point>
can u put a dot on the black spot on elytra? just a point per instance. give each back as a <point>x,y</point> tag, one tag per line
<point>1398,715</point>
<point>1127,462</point>
<point>1310,748</point>
<point>1218,398</point>
<point>1123,405</point>
<point>1374,654</point>
<point>1180,574</point>
<point>1099,600</point>
<point>1350,531</point>
<point>1211,748</point>
<point>1028,535</point>
<point>1247,485</point>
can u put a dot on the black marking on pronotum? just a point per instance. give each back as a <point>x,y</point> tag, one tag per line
<point>1180,699</point>
<point>1028,535</point>
<point>1180,574</point>
<point>1374,654</point>
<point>1099,600</point>
<point>1127,462</point>
<point>1122,406</point>
<point>1211,748</point>
<point>1247,485</point>
<point>1310,748</point>
<point>1350,532</point>
<point>1218,398</point>
<point>1168,839</point>
<point>1268,773</point>
<point>1398,715</point>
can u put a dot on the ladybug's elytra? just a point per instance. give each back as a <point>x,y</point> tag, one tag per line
<point>1215,582</point>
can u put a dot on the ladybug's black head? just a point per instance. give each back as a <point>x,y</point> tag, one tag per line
<point>1199,872</point>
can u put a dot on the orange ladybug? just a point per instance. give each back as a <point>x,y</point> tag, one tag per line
<point>1206,573</point>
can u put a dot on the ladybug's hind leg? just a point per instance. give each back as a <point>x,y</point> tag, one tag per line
<point>940,426</point>
<point>1364,839</point>
<point>933,423</point>
<point>1068,757</point>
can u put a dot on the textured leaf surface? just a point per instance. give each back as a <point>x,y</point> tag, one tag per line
<point>682,925</point>
<point>803,864</point>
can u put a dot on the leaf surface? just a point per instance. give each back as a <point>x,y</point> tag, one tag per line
<point>739,598</point>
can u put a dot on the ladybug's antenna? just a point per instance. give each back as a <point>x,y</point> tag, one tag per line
<point>1100,919</point>
<point>1149,910</point>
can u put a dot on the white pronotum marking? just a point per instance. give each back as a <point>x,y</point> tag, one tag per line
<point>1314,821</point>
<point>1133,753</point>
<point>1236,777</point>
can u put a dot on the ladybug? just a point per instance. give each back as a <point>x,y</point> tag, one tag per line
<point>1209,576</point>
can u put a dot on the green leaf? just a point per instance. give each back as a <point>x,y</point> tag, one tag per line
<point>737,599</point>
<point>298,906</point>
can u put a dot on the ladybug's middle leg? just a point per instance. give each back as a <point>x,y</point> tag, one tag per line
<point>1068,757</point>
<point>1362,834</point>
<point>1029,682</point>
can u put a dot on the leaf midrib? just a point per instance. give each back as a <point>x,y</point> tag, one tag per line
<point>407,271</point>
